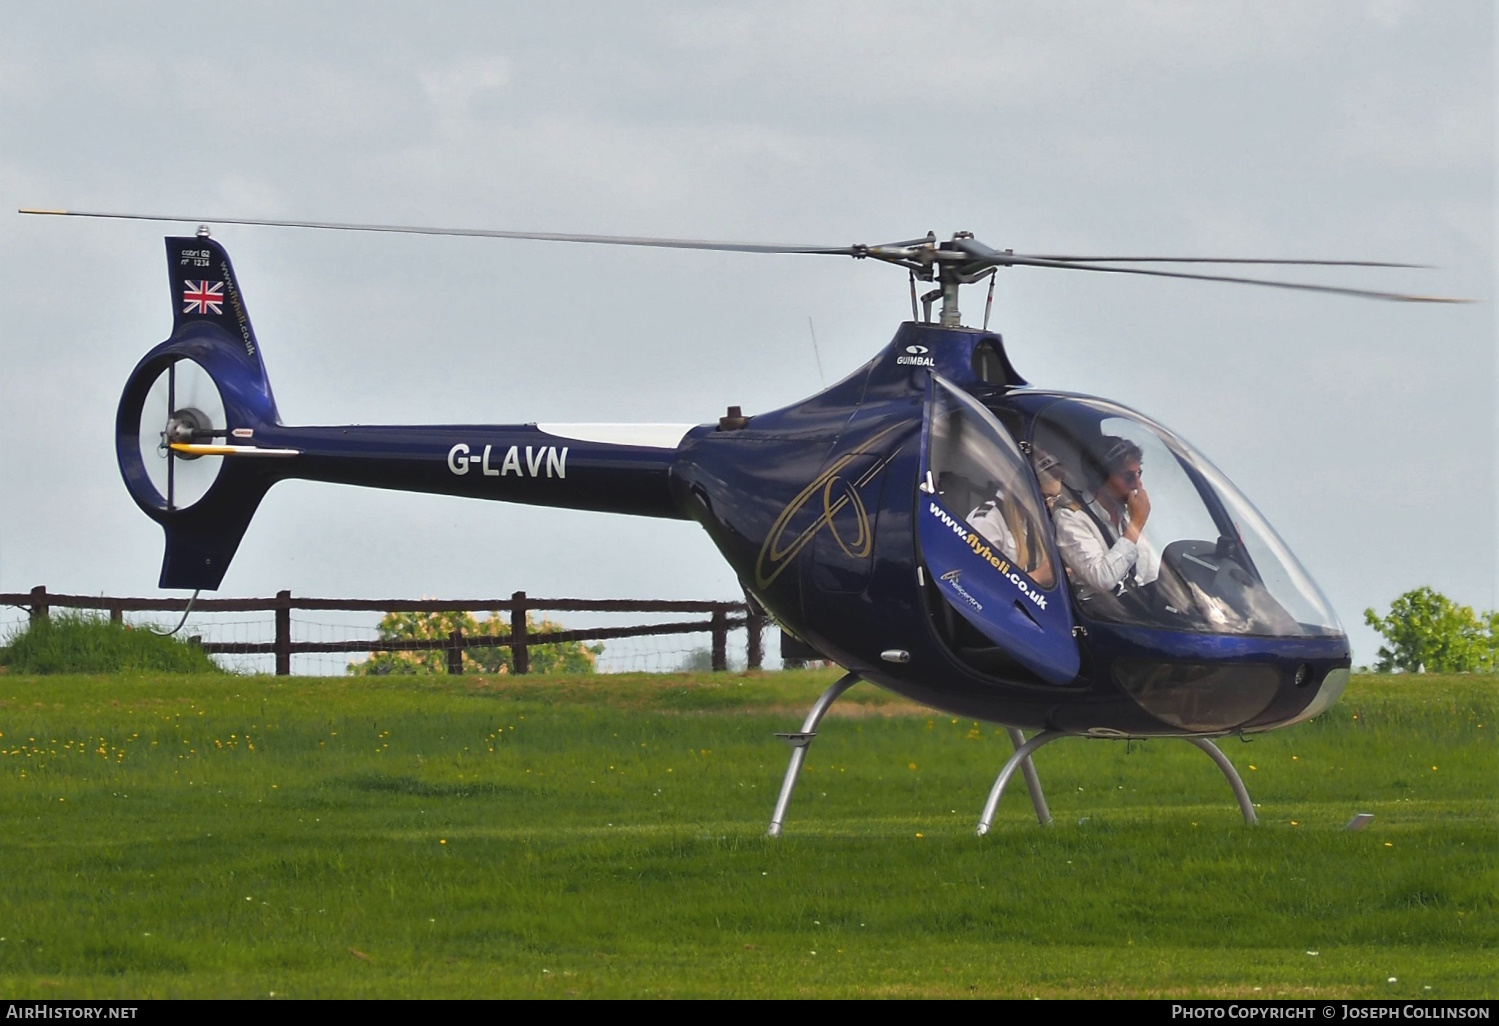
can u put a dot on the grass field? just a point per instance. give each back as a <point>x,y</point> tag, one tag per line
<point>236,836</point>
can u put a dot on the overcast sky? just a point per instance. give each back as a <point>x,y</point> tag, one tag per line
<point>1364,431</point>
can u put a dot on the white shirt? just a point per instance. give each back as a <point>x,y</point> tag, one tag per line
<point>989,521</point>
<point>1096,566</point>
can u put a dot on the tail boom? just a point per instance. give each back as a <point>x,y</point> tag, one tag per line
<point>508,463</point>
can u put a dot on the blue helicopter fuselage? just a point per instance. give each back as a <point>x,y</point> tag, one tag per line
<point>839,516</point>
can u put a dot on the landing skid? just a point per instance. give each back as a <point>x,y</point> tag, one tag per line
<point>1021,760</point>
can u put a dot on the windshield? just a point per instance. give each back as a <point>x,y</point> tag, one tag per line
<point>1152,534</point>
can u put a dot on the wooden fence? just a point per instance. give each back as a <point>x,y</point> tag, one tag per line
<point>722,618</point>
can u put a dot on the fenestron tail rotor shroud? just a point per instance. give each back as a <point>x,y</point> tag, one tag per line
<point>960,260</point>
<point>182,411</point>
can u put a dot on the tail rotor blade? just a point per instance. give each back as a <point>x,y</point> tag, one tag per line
<point>182,405</point>
<point>167,442</point>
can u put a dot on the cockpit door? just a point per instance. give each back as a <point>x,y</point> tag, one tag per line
<point>985,538</point>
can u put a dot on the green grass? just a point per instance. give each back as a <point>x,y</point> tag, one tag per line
<point>603,836</point>
<point>70,642</point>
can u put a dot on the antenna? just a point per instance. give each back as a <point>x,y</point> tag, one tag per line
<point>820,376</point>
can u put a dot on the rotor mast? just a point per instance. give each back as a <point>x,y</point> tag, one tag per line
<point>961,261</point>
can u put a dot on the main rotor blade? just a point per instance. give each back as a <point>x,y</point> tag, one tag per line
<point>483,233</point>
<point>1215,260</point>
<point>1398,297</point>
<point>905,254</point>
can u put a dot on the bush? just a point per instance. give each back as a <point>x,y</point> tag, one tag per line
<point>700,660</point>
<point>567,657</point>
<point>88,643</point>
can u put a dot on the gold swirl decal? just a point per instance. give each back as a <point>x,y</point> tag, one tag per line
<point>864,540</point>
<point>837,493</point>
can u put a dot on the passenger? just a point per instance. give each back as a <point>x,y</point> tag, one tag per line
<point>1006,525</point>
<point>988,519</point>
<point>1101,541</point>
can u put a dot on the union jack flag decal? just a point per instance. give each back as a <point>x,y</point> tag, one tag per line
<point>202,297</point>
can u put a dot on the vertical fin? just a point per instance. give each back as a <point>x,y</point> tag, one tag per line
<point>205,289</point>
<point>211,328</point>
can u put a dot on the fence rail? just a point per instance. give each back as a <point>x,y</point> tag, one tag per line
<point>723,617</point>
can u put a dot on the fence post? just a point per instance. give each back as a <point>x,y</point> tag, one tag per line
<point>283,633</point>
<point>754,629</point>
<point>455,652</point>
<point>520,650</point>
<point>720,638</point>
<point>117,615</point>
<point>39,607</point>
<point>754,624</point>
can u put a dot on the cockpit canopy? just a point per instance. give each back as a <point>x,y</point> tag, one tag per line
<point>1206,560</point>
<point>1051,499</point>
<point>1035,512</point>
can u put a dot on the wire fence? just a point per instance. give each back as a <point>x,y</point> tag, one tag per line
<point>265,636</point>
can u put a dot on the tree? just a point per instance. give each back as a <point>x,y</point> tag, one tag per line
<point>567,657</point>
<point>1429,633</point>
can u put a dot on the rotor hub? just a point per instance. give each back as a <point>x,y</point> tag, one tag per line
<point>185,426</point>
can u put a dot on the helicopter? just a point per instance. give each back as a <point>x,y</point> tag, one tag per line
<point>932,523</point>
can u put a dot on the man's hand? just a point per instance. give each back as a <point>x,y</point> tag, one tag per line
<point>1137,505</point>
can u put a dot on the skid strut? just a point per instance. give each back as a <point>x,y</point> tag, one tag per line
<point>1032,779</point>
<point>1022,757</point>
<point>799,742</point>
<point>1234,780</point>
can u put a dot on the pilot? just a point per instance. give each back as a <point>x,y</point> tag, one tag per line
<point>1101,541</point>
